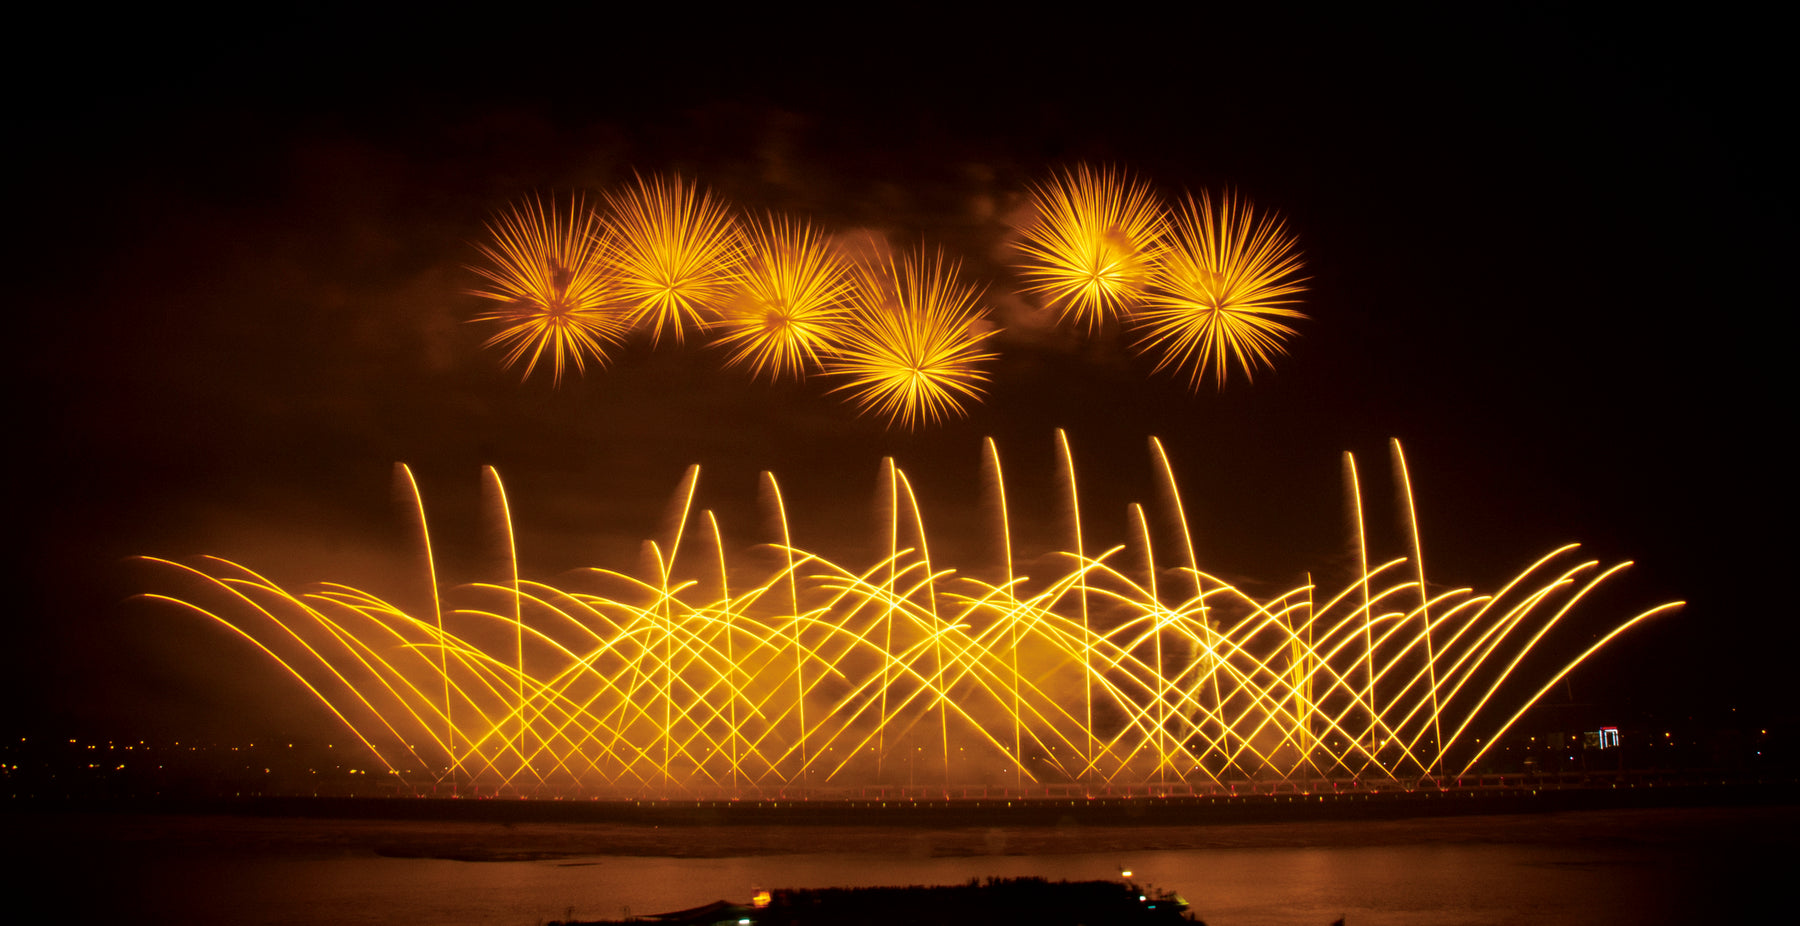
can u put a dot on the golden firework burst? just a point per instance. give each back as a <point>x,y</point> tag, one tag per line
<point>1222,288</point>
<point>676,251</point>
<point>912,352</point>
<point>789,304</point>
<point>1091,250</point>
<point>546,270</point>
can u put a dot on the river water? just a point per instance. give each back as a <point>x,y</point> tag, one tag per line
<point>1595,867</point>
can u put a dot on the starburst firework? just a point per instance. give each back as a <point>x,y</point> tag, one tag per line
<point>1092,248</point>
<point>1222,289</point>
<point>677,253</point>
<point>789,304</point>
<point>913,351</point>
<point>548,273</point>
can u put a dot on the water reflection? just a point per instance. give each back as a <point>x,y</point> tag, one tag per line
<point>1636,867</point>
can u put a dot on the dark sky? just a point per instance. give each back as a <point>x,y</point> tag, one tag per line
<point>1540,254</point>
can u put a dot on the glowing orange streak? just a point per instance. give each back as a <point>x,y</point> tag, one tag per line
<point>1117,662</point>
<point>1006,556</point>
<point>1118,658</point>
<point>463,649</point>
<point>1274,696</point>
<point>1487,643</point>
<point>1301,673</point>
<point>973,669</point>
<point>1341,681</point>
<point>697,649</point>
<point>904,661</point>
<point>549,693</point>
<point>1499,631</point>
<point>379,668</point>
<point>935,630</point>
<point>1362,559</point>
<point>847,583</point>
<point>931,599</point>
<point>1396,729</point>
<point>1139,717</point>
<point>1412,520</point>
<point>701,714</point>
<point>887,646</point>
<point>1382,731</point>
<point>666,608</point>
<point>475,660</point>
<point>1659,609</point>
<point>1489,640</point>
<point>512,558</point>
<point>761,636</point>
<point>969,671</point>
<point>1367,693</point>
<point>703,651</point>
<point>1188,702</point>
<point>1162,690</point>
<point>343,639</point>
<point>1270,700</point>
<point>787,550</point>
<point>1427,674</point>
<point>829,629</point>
<point>437,611</point>
<point>1533,642</point>
<point>646,633</point>
<point>490,673</point>
<point>590,709</point>
<point>1187,543</point>
<point>731,663</point>
<point>564,679</point>
<point>871,592</point>
<point>1245,681</point>
<point>298,676</point>
<point>1087,641</point>
<point>1040,617</point>
<point>1078,580</point>
<point>661,612</point>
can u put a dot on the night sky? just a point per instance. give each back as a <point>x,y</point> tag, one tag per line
<point>1540,255</point>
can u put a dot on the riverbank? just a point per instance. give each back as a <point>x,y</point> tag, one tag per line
<point>1244,808</point>
<point>469,840</point>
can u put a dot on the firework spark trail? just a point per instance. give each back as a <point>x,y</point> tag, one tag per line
<point>550,276</point>
<point>1222,288</point>
<point>913,351</point>
<point>681,683</point>
<point>788,307</point>
<point>676,252</point>
<point>1093,245</point>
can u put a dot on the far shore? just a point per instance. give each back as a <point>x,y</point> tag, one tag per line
<point>468,840</point>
